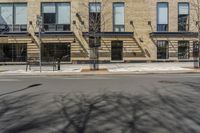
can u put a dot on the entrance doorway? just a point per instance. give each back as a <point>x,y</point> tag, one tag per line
<point>116,50</point>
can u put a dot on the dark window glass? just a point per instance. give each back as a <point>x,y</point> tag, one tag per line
<point>162,50</point>
<point>183,17</point>
<point>94,41</point>
<point>162,27</point>
<point>117,50</point>
<point>49,21</point>
<point>183,23</point>
<point>52,52</point>
<point>183,50</point>
<point>13,52</point>
<point>49,18</point>
<point>94,24</point>
<point>195,49</point>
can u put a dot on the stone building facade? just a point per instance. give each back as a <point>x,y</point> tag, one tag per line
<point>127,30</point>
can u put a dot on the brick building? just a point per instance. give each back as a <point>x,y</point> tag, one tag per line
<point>127,30</point>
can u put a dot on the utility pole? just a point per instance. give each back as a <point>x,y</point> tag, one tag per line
<point>39,24</point>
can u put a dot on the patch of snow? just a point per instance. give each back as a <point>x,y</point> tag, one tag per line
<point>147,69</point>
<point>43,71</point>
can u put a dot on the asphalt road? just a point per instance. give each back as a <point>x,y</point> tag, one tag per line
<point>173,98</point>
<point>95,84</point>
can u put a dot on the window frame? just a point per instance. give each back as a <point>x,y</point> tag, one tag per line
<point>188,52</point>
<point>187,26</point>
<point>13,51</point>
<point>92,39</point>
<point>50,50</point>
<point>166,49</point>
<point>21,27</point>
<point>68,26</point>
<point>113,17</point>
<point>157,15</point>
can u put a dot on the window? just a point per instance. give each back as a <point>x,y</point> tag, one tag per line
<point>162,17</point>
<point>94,24</point>
<point>95,7</point>
<point>13,52</point>
<point>183,50</point>
<point>53,51</point>
<point>183,16</point>
<point>56,16</point>
<point>195,49</point>
<point>13,17</point>
<point>162,50</point>
<point>118,17</point>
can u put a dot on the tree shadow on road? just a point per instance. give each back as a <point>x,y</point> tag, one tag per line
<point>157,112</point>
<point>165,110</point>
<point>180,108</point>
<point>20,114</point>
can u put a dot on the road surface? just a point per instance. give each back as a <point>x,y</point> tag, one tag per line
<point>168,103</point>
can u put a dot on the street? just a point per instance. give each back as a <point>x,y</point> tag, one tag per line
<point>95,84</point>
<point>170,100</point>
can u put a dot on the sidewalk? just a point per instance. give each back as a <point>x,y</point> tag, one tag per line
<point>115,68</point>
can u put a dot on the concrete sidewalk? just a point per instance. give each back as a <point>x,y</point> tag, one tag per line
<point>114,68</point>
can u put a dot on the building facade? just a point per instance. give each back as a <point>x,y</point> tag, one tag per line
<point>123,30</point>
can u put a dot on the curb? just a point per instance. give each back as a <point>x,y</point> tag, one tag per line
<point>99,73</point>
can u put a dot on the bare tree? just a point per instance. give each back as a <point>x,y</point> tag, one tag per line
<point>96,19</point>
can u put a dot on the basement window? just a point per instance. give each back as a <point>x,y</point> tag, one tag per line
<point>13,52</point>
<point>162,50</point>
<point>183,50</point>
<point>55,51</point>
